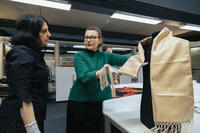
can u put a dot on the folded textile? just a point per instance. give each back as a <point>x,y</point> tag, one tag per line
<point>107,69</point>
<point>134,63</point>
<point>171,83</point>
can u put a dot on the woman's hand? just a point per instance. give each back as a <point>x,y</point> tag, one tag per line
<point>105,67</point>
<point>28,117</point>
<point>32,128</point>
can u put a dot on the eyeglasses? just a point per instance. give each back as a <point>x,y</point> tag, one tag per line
<point>91,37</point>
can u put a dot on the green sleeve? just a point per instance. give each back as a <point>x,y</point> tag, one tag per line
<point>117,59</point>
<point>82,72</point>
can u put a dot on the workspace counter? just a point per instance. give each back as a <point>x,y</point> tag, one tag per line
<point>124,113</point>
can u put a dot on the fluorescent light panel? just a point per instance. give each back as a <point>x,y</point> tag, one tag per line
<point>50,51</point>
<point>45,3</point>
<point>135,18</point>
<point>72,52</point>
<point>78,46</point>
<point>51,45</point>
<point>191,27</point>
<point>121,49</point>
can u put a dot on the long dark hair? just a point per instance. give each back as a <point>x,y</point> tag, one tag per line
<point>27,31</point>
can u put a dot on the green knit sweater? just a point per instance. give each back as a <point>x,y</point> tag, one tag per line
<point>86,87</point>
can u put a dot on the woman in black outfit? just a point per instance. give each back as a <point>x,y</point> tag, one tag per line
<point>24,110</point>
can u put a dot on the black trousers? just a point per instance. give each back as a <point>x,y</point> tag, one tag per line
<point>84,117</point>
<point>8,125</point>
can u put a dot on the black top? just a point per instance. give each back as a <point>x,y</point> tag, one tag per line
<point>146,110</point>
<point>27,75</point>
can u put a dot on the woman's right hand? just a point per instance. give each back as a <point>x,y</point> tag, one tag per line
<point>105,67</point>
<point>32,127</point>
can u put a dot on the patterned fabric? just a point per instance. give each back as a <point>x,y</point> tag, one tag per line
<point>171,83</point>
<point>134,63</point>
<point>127,91</point>
<point>171,78</point>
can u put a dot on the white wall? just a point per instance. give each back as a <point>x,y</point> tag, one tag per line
<point>64,81</point>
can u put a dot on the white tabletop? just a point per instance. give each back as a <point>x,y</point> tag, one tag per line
<point>124,113</point>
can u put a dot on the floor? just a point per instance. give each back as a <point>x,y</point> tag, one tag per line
<point>56,117</point>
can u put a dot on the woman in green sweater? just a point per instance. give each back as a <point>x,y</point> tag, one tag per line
<point>84,109</point>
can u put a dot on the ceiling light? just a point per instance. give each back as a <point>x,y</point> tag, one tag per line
<point>72,52</point>
<point>191,27</point>
<point>121,49</point>
<point>46,3</point>
<point>50,51</point>
<point>135,18</point>
<point>78,46</point>
<point>51,45</point>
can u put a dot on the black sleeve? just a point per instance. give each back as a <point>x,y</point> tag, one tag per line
<point>19,70</point>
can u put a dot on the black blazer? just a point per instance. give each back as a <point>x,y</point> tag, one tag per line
<point>27,75</point>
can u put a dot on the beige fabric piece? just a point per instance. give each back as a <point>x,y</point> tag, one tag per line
<point>7,49</point>
<point>171,79</point>
<point>131,67</point>
<point>107,69</point>
<point>171,83</point>
<point>103,76</point>
<point>134,63</point>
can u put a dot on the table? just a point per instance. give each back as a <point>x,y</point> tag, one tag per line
<point>124,113</point>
